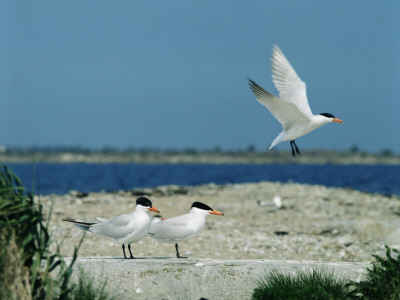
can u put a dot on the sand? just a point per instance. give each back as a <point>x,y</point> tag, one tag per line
<point>313,223</point>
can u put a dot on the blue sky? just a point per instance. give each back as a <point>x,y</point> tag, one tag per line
<point>173,74</point>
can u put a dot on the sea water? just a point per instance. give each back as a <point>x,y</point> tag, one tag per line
<point>59,178</point>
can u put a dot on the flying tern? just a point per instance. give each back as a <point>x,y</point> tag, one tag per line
<point>182,228</point>
<point>291,108</point>
<point>125,229</point>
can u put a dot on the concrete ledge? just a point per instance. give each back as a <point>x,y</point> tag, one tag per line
<point>170,278</point>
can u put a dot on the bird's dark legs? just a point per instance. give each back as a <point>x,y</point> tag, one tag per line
<point>177,252</point>
<point>291,145</point>
<point>297,149</point>
<point>129,248</point>
<point>130,252</point>
<point>123,249</point>
<point>294,147</point>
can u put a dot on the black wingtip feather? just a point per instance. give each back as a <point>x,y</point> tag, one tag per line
<point>258,90</point>
<point>78,222</point>
<point>82,225</point>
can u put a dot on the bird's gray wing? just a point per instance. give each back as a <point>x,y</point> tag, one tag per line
<point>172,228</point>
<point>117,227</point>
<point>285,112</point>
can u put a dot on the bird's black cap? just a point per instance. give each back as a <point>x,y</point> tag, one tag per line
<point>144,202</point>
<point>328,115</point>
<point>201,206</point>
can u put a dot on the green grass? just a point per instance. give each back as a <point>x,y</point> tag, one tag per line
<point>314,284</point>
<point>87,288</point>
<point>28,270</point>
<point>382,280</point>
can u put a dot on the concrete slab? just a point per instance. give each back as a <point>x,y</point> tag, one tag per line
<point>170,278</point>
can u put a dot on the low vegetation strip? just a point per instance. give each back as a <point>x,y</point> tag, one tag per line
<point>314,284</point>
<point>382,281</point>
<point>249,156</point>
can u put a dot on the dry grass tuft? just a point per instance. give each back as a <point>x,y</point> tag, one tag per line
<point>14,276</point>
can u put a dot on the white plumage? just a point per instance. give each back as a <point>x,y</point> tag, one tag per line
<point>124,229</point>
<point>291,108</point>
<point>128,228</point>
<point>182,228</point>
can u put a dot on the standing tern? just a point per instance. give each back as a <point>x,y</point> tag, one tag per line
<point>125,229</point>
<point>154,219</point>
<point>291,108</point>
<point>182,228</point>
<point>157,218</point>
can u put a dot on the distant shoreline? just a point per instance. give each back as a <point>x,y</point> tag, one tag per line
<point>203,157</point>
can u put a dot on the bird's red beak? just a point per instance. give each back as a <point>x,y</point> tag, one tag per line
<point>337,120</point>
<point>216,212</point>
<point>154,209</point>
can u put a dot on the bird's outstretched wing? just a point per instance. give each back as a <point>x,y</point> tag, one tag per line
<point>285,112</point>
<point>291,88</point>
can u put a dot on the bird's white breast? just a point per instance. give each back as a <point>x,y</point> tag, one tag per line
<point>140,228</point>
<point>297,130</point>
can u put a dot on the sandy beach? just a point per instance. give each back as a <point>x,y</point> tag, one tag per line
<point>313,223</point>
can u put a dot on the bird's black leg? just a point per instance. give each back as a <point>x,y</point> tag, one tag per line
<point>291,145</point>
<point>297,149</point>
<point>177,252</point>
<point>129,248</point>
<point>123,249</point>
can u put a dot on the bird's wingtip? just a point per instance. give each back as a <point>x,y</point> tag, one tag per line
<point>68,220</point>
<point>275,48</point>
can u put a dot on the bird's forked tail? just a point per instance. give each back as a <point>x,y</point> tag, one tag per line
<point>82,225</point>
<point>277,140</point>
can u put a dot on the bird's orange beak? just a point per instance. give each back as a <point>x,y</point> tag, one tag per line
<point>154,209</point>
<point>337,120</point>
<point>216,212</point>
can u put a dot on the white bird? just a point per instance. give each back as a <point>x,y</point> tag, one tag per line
<point>291,109</point>
<point>125,229</point>
<point>102,220</point>
<point>278,201</point>
<point>182,228</point>
<point>154,219</point>
<point>157,218</point>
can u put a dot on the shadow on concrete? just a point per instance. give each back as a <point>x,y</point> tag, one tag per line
<point>133,259</point>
